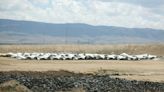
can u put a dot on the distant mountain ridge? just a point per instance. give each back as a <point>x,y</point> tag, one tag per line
<point>13,31</point>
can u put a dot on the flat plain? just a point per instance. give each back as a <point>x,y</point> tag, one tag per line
<point>144,70</point>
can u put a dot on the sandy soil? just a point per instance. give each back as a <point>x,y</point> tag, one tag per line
<point>156,49</point>
<point>138,70</point>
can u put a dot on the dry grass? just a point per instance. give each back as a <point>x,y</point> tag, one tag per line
<point>157,49</point>
<point>13,86</point>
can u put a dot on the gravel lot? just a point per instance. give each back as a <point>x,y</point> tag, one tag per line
<point>63,80</point>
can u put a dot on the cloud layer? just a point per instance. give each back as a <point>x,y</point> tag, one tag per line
<point>123,13</point>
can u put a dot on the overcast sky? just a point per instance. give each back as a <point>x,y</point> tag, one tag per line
<point>123,13</point>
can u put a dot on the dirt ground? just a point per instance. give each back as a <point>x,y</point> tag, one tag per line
<point>133,70</point>
<point>156,49</point>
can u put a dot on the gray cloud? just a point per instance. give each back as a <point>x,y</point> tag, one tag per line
<point>144,3</point>
<point>124,13</point>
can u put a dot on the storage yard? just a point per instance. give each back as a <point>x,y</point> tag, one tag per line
<point>134,74</point>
